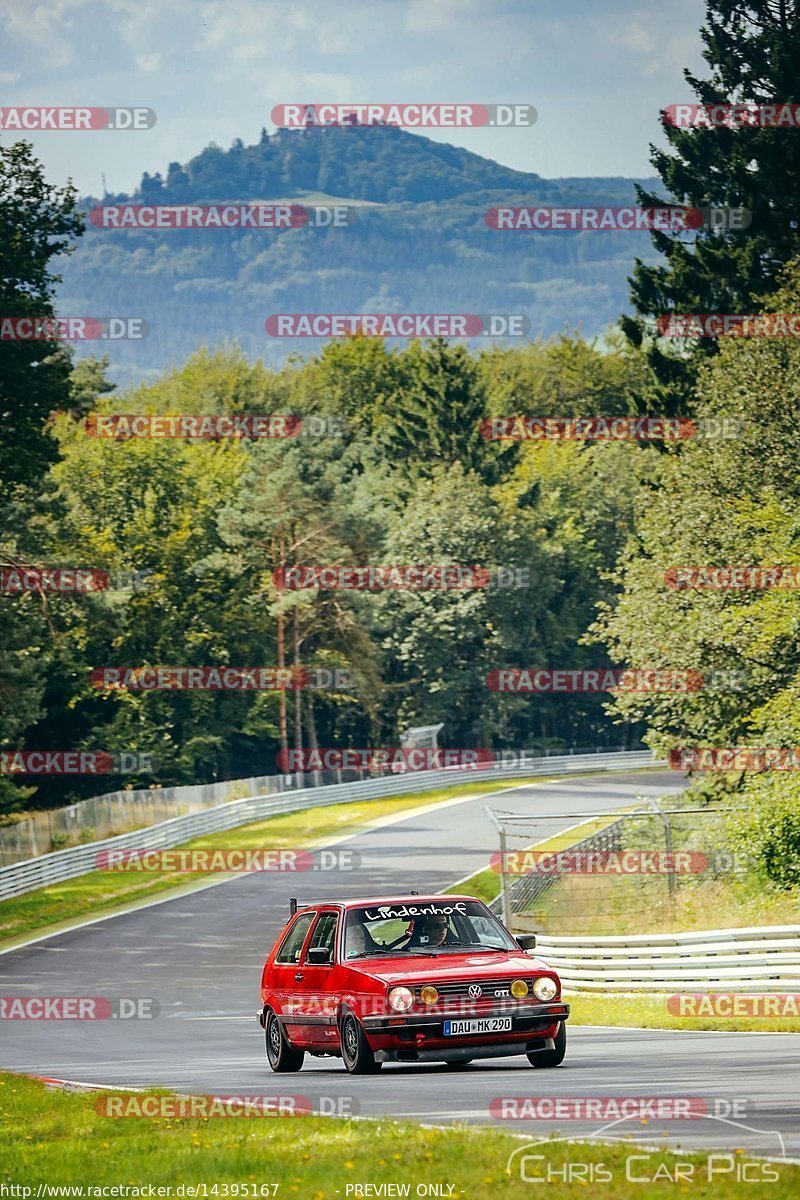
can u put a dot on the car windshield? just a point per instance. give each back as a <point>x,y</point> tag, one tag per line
<point>429,927</point>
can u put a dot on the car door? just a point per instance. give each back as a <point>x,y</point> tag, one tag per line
<point>316,1000</point>
<point>286,975</point>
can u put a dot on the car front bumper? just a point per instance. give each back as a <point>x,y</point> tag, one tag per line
<point>420,1036</point>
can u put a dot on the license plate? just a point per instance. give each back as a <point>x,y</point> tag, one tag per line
<point>480,1025</point>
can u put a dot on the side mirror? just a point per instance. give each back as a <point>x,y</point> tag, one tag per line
<point>526,941</point>
<point>319,956</point>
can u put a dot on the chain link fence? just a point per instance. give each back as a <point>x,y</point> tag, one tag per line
<point>643,871</point>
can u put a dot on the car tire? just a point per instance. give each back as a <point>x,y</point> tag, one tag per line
<point>554,1057</point>
<point>356,1054</point>
<point>281,1056</point>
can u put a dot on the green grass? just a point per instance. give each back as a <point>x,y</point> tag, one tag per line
<point>101,892</point>
<point>484,885</point>
<point>651,1012</point>
<point>59,1138</point>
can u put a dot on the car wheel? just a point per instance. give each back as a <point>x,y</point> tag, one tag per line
<point>356,1054</point>
<point>554,1057</point>
<point>280,1055</point>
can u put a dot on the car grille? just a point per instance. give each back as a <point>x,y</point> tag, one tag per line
<point>459,990</point>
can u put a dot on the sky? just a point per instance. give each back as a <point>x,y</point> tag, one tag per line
<point>597,71</point>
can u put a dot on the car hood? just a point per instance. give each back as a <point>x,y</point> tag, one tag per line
<point>452,967</point>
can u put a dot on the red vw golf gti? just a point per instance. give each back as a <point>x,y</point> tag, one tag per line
<point>407,979</point>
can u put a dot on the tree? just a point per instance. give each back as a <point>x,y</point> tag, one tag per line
<point>87,383</point>
<point>37,223</point>
<point>432,419</point>
<point>441,644</point>
<point>289,511</point>
<point>725,502</point>
<point>753,51</point>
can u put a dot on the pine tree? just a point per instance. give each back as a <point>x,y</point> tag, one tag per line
<point>753,50</point>
<point>37,224</point>
<point>434,416</point>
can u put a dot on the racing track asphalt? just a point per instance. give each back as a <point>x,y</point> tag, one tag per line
<point>199,955</point>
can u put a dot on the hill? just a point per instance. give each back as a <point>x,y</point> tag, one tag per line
<point>419,243</point>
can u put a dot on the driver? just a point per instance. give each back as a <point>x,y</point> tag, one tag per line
<point>432,931</point>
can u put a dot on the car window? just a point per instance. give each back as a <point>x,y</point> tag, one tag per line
<point>292,944</point>
<point>487,932</point>
<point>430,926</point>
<point>324,932</point>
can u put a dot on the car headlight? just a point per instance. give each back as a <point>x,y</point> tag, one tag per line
<point>519,989</point>
<point>545,988</point>
<point>401,999</point>
<point>429,995</point>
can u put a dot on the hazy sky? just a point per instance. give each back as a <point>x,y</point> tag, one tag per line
<point>597,71</point>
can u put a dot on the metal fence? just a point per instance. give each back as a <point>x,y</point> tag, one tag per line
<point>523,892</point>
<point>120,811</point>
<point>104,816</point>
<point>761,959</point>
<point>64,864</point>
<point>653,869</point>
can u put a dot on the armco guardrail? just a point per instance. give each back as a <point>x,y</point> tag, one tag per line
<point>79,860</point>
<point>118,812</point>
<point>762,959</point>
<point>113,812</point>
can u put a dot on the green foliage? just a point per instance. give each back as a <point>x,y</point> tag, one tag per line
<point>408,481</point>
<point>37,223</point>
<point>725,502</point>
<point>769,829</point>
<point>753,52</point>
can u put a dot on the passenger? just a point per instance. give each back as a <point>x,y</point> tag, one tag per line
<point>358,941</point>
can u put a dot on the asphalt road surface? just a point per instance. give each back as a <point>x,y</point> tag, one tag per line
<point>199,957</point>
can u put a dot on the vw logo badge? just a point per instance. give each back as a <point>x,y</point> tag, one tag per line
<point>475,989</point>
